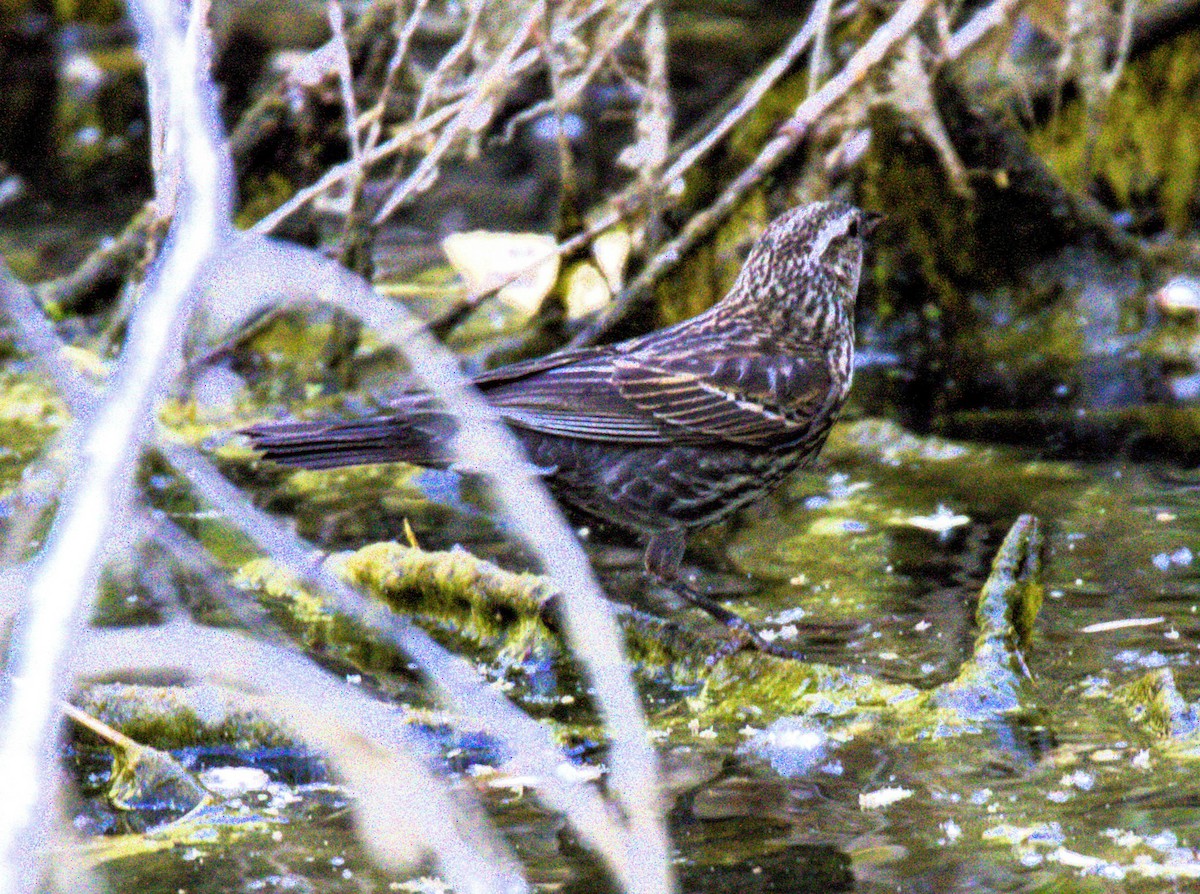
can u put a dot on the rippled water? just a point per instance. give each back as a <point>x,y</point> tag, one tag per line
<point>874,564</point>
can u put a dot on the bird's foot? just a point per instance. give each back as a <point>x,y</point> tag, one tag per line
<point>744,634</point>
<point>664,553</point>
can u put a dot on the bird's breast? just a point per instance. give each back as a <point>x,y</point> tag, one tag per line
<point>651,488</point>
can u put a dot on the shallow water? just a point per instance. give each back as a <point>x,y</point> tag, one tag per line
<point>873,564</point>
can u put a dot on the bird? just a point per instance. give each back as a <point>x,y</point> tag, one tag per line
<point>670,431</point>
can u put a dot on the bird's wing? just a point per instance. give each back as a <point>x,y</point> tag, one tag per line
<point>571,394</point>
<point>707,394</point>
<point>523,369</point>
<point>750,398</point>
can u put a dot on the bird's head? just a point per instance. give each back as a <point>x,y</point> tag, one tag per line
<point>802,273</point>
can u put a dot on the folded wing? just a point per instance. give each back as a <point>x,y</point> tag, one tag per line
<point>701,396</point>
<point>759,400</point>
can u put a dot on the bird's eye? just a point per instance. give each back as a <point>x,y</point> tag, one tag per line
<point>852,230</point>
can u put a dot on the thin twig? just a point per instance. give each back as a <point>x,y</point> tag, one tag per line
<point>112,259</point>
<point>874,51</point>
<point>402,139</point>
<point>638,195</point>
<point>598,58</point>
<point>271,106</point>
<point>1124,45</point>
<point>392,74</point>
<point>99,727</point>
<point>821,14</point>
<point>861,63</point>
<point>487,85</point>
<point>345,80</point>
<point>451,58</point>
<point>978,26</point>
<point>98,494</point>
<point>762,84</point>
<point>38,338</point>
<point>399,141</point>
<point>651,149</point>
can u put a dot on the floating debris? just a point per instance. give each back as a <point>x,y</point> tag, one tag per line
<point>1121,624</point>
<point>1179,297</point>
<point>884,797</point>
<point>941,521</point>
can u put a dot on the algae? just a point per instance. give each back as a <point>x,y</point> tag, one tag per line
<point>1146,153</point>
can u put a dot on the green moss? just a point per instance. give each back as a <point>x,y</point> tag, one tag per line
<point>95,12</point>
<point>1147,146</point>
<point>1154,702</point>
<point>142,775</point>
<point>750,687</point>
<point>262,195</point>
<point>1052,339</point>
<point>30,414</point>
<point>216,829</point>
<point>760,125</point>
<point>181,716</point>
<point>930,227</point>
<point>290,346</point>
<point>709,271</point>
<point>485,602</point>
<point>107,112</point>
<point>453,590</point>
<point>25,400</point>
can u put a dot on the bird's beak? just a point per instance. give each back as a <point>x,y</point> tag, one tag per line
<point>870,220</point>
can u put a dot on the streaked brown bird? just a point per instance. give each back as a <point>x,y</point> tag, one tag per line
<point>670,431</point>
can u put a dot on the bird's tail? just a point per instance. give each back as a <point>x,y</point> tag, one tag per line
<point>418,436</point>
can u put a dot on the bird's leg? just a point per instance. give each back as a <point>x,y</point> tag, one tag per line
<point>664,555</point>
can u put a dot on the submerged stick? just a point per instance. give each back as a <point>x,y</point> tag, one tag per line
<point>989,684</point>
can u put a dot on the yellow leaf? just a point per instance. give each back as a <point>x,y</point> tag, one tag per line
<point>524,266</point>
<point>586,291</point>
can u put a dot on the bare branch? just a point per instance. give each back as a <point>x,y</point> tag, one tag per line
<point>345,80</point>
<point>487,86</point>
<point>112,259</point>
<point>978,26</point>
<point>401,140</point>
<point>37,336</point>
<point>399,54</point>
<point>817,63</point>
<point>401,807</point>
<point>433,84</point>
<point>639,194</point>
<point>97,497</point>
<point>868,56</point>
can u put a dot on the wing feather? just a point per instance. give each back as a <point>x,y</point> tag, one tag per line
<point>571,394</point>
<point>712,393</point>
<point>748,398</point>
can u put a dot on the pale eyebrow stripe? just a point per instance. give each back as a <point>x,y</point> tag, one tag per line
<point>829,232</point>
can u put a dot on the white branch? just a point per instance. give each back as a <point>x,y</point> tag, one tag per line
<point>96,501</point>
